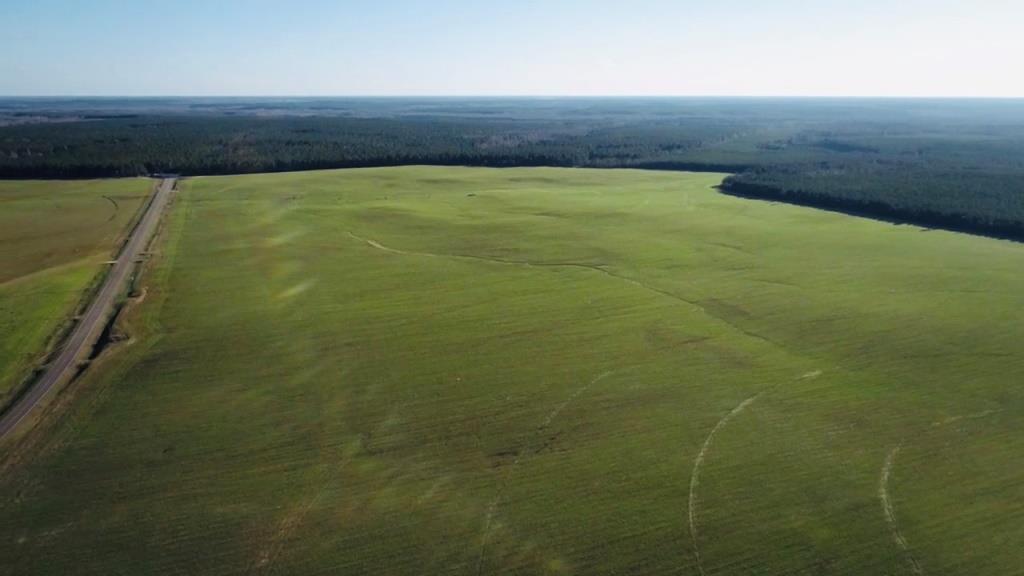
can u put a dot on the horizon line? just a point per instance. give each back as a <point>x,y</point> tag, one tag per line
<point>525,96</point>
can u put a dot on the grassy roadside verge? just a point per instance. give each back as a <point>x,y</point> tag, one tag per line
<point>127,334</point>
<point>57,236</point>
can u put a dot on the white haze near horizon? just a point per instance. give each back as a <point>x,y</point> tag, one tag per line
<point>938,48</point>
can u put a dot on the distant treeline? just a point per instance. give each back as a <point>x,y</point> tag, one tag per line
<point>195,145</point>
<point>947,164</point>
<point>877,209</point>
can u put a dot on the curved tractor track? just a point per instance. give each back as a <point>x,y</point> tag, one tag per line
<point>90,325</point>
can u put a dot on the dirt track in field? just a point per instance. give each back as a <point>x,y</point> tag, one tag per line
<point>691,512</point>
<point>890,512</point>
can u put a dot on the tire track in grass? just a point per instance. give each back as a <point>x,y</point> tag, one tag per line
<point>591,267</point>
<point>532,264</point>
<point>508,261</point>
<point>492,508</point>
<point>702,454</point>
<point>115,205</point>
<point>974,416</point>
<point>694,479</point>
<point>885,496</point>
<point>286,528</point>
<point>890,512</point>
<point>380,246</point>
<point>695,475</point>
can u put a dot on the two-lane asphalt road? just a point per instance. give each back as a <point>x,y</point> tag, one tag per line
<point>90,325</point>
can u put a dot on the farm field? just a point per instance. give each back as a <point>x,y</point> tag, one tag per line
<point>538,371</point>
<point>54,238</point>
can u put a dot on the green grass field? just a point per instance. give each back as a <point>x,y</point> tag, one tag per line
<point>54,238</point>
<point>539,371</point>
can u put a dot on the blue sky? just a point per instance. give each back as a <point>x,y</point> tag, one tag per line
<point>525,47</point>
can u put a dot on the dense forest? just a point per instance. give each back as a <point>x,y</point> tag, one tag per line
<point>955,164</point>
